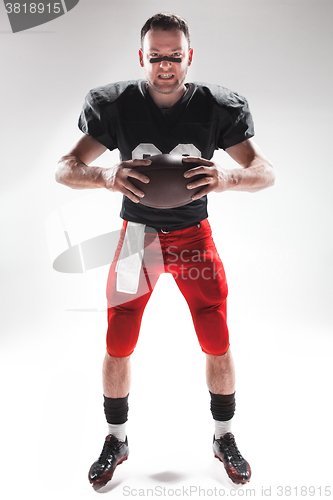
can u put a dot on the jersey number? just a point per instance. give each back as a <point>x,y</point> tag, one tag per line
<point>143,150</point>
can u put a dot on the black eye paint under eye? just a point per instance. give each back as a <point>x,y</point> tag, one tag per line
<point>165,58</point>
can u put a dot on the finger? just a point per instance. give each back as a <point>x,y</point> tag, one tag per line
<point>201,193</point>
<point>201,182</point>
<point>196,171</point>
<point>133,189</point>
<point>132,172</point>
<point>128,165</point>
<point>136,163</point>
<point>128,193</point>
<point>197,159</point>
<point>131,196</point>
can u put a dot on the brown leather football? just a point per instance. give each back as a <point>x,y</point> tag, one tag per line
<point>167,186</point>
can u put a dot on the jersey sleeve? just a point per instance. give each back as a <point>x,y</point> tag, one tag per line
<point>96,120</point>
<point>235,120</point>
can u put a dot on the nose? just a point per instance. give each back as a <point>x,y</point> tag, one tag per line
<point>165,64</point>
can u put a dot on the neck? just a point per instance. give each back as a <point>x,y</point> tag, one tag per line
<point>166,100</point>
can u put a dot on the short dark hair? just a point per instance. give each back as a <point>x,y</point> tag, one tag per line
<point>166,22</point>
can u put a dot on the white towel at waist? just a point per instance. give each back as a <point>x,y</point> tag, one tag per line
<point>130,259</point>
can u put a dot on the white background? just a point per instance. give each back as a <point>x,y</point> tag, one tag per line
<point>276,246</point>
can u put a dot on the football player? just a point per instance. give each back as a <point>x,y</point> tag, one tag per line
<point>164,115</point>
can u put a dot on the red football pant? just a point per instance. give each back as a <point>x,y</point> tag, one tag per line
<point>191,257</point>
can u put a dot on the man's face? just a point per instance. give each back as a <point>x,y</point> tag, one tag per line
<point>165,77</point>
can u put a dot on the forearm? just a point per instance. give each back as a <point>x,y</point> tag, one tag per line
<point>72,172</point>
<point>259,174</point>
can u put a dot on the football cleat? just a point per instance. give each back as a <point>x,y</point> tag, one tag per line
<point>237,468</point>
<point>114,453</point>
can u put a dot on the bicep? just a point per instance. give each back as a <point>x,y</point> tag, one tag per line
<point>245,152</point>
<point>87,149</point>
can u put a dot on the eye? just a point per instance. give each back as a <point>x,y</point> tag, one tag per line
<point>176,54</point>
<point>154,54</point>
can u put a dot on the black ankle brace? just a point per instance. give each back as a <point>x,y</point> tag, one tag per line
<point>222,406</point>
<point>116,410</point>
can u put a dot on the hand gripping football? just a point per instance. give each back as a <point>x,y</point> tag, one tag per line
<point>167,186</point>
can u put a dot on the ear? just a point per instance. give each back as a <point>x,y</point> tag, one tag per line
<point>190,55</point>
<point>141,57</point>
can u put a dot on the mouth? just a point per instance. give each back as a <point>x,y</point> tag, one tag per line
<point>165,76</point>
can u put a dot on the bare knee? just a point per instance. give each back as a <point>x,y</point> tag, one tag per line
<point>116,361</point>
<point>222,360</point>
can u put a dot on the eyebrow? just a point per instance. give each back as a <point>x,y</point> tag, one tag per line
<point>158,50</point>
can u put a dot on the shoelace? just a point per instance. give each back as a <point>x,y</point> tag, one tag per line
<point>232,448</point>
<point>109,446</point>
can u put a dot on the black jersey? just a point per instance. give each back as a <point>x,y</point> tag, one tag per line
<point>208,117</point>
